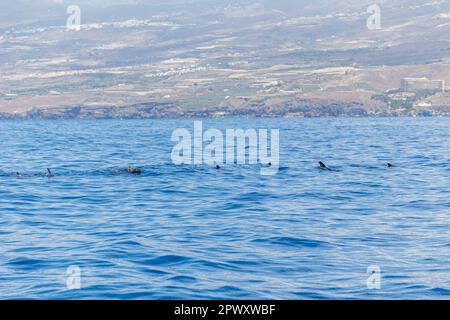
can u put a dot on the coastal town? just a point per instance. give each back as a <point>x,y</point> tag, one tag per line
<point>240,60</point>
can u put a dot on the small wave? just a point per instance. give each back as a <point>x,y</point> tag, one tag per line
<point>183,279</point>
<point>166,260</point>
<point>26,264</point>
<point>441,292</point>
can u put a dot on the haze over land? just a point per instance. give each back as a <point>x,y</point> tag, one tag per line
<point>216,58</point>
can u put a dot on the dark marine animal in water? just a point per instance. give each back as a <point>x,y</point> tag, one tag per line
<point>49,173</point>
<point>323,166</point>
<point>134,170</point>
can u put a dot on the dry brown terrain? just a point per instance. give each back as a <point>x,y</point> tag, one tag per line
<point>237,57</point>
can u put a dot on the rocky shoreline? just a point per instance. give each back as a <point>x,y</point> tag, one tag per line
<point>301,108</point>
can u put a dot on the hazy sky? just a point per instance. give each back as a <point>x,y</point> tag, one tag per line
<point>51,12</point>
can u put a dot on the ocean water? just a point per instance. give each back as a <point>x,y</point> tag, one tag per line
<point>184,232</point>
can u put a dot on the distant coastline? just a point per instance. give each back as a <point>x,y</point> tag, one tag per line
<point>301,108</point>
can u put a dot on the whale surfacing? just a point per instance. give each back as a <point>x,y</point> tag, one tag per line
<point>323,166</point>
<point>49,173</point>
<point>134,170</point>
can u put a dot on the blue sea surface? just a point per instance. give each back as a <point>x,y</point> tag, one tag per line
<point>185,232</point>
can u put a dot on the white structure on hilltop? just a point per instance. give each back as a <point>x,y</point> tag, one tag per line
<point>416,84</point>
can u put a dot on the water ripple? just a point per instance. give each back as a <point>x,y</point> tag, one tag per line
<point>180,232</point>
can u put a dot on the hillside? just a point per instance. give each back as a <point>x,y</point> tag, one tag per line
<point>217,58</point>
